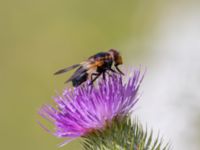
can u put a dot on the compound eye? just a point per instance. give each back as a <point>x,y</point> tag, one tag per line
<point>119,60</point>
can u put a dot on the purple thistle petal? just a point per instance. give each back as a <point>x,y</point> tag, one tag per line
<point>84,109</point>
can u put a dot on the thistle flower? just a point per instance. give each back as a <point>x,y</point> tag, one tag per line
<point>85,109</point>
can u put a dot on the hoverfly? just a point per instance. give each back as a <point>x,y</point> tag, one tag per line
<point>93,67</point>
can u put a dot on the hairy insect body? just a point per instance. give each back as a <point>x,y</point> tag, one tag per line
<point>93,67</point>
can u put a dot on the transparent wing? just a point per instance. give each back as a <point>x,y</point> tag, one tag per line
<point>66,69</point>
<point>79,72</point>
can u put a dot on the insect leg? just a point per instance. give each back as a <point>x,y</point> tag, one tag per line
<point>97,75</point>
<point>119,70</point>
<point>94,74</point>
<point>104,77</point>
<point>112,70</point>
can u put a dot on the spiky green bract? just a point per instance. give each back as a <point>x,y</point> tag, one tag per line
<point>122,134</point>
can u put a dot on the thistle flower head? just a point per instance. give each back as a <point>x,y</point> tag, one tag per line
<point>84,109</point>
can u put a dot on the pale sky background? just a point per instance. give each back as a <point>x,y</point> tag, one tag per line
<point>170,102</point>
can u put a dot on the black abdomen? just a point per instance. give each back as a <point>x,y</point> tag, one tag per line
<point>79,79</point>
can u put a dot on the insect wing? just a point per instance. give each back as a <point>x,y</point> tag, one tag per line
<point>79,72</point>
<point>66,69</point>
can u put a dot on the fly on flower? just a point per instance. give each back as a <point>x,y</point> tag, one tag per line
<point>94,67</point>
<point>81,111</point>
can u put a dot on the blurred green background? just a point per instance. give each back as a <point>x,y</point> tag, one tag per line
<point>38,37</point>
